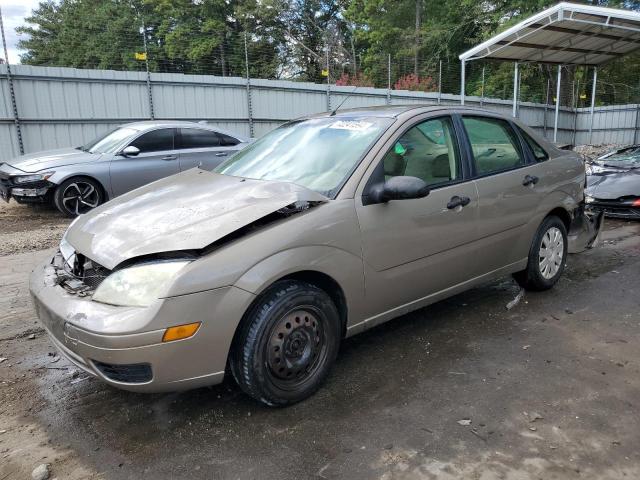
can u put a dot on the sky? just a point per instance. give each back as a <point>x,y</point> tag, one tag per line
<point>13,14</point>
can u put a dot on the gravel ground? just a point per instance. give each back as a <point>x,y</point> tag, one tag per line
<point>24,228</point>
<point>595,151</point>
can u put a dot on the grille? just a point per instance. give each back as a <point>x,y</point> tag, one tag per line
<point>79,274</point>
<point>132,373</point>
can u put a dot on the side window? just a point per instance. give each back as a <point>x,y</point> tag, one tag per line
<point>155,141</point>
<point>538,152</point>
<point>197,138</point>
<point>227,141</point>
<point>427,151</point>
<point>494,144</point>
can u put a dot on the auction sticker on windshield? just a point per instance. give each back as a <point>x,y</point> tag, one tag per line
<point>351,125</point>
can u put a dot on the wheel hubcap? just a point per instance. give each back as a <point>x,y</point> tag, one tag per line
<point>551,253</point>
<point>80,197</point>
<point>295,345</point>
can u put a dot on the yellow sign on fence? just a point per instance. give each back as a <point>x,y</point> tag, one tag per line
<point>140,56</point>
<point>325,73</point>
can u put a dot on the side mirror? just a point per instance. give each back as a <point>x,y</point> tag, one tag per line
<point>399,188</point>
<point>130,151</point>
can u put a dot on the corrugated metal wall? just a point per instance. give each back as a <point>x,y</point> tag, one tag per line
<point>61,107</point>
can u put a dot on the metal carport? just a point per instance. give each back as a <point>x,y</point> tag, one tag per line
<point>566,34</point>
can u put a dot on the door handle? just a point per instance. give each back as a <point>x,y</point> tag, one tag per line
<point>457,201</point>
<point>530,180</point>
<point>169,157</point>
<point>221,154</point>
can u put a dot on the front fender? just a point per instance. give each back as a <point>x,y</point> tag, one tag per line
<point>345,268</point>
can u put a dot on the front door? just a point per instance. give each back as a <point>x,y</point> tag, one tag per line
<point>508,190</point>
<point>157,159</point>
<point>415,248</point>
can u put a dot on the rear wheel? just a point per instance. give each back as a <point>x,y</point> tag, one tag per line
<point>547,256</point>
<point>77,195</point>
<point>287,344</point>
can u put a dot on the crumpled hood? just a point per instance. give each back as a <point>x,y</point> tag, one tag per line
<point>610,184</point>
<point>187,211</point>
<point>50,159</point>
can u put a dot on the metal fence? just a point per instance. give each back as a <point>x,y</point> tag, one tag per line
<point>61,107</point>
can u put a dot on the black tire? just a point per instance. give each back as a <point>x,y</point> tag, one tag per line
<point>286,344</point>
<point>535,277</point>
<point>78,195</point>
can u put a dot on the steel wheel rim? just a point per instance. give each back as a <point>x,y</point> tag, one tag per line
<point>80,197</point>
<point>551,253</point>
<point>296,347</point>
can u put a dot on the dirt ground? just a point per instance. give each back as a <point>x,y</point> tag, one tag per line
<point>462,389</point>
<point>28,228</point>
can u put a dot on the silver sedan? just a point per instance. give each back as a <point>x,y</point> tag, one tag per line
<point>76,180</point>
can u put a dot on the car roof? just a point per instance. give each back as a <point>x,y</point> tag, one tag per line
<point>394,111</point>
<point>152,124</point>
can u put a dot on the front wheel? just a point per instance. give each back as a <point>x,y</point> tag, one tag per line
<point>287,344</point>
<point>77,195</point>
<point>547,256</point>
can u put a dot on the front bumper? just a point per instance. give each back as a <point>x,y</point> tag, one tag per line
<point>92,335</point>
<point>617,208</point>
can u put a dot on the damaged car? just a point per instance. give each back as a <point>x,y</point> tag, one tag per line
<point>613,183</point>
<point>76,180</point>
<point>325,227</point>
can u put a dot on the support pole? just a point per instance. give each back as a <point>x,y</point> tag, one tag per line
<point>546,107</point>
<point>249,106</point>
<point>389,80</point>
<point>515,89</point>
<point>593,102</point>
<point>12,93</point>
<point>482,89</point>
<point>328,82</point>
<point>462,80</point>
<point>440,83</point>
<point>555,121</point>
<point>146,64</point>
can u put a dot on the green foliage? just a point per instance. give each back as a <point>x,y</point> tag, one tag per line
<point>289,39</point>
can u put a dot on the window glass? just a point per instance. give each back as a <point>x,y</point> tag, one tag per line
<point>427,151</point>
<point>155,141</point>
<point>317,153</point>
<point>227,141</point>
<point>494,144</point>
<point>110,142</point>
<point>538,152</point>
<point>196,138</point>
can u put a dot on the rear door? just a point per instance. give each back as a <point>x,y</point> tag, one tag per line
<point>414,248</point>
<point>199,147</point>
<point>507,184</point>
<point>157,159</point>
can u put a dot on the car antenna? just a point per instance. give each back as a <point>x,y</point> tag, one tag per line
<point>332,114</point>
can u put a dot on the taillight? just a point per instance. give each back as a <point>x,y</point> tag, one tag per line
<point>636,202</point>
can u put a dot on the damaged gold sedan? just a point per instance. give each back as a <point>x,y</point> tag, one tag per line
<point>323,228</point>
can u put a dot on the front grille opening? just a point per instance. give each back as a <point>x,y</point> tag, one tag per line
<point>131,373</point>
<point>79,275</point>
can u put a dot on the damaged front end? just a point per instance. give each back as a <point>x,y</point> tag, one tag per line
<point>585,229</point>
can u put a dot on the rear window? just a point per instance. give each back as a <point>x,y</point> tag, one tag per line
<point>539,153</point>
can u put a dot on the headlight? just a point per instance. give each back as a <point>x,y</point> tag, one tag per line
<point>38,177</point>
<point>588,199</point>
<point>137,286</point>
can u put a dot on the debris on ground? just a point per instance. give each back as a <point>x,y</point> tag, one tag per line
<point>3,359</point>
<point>517,299</point>
<point>533,416</point>
<point>41,472</point>
<point>32,336</point>
<point>595,151</point>
<point>464,422</point>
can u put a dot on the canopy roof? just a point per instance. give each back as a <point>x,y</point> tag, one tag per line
<point>567,34</point>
